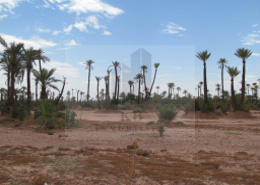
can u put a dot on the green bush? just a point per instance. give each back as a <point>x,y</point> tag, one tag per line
<point>167,113</point>
<point>161,130</point>
<point>207,107</point>
<point>142,153</point>
<point>125,106</point>
<point>70,118</point>
<point>224,107</point>
<point>179,123</point>
<point>48,114</point>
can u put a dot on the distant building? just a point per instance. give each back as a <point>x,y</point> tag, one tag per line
<point>138,58</point>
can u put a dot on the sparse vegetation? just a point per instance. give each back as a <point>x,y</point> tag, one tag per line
<point>161,130</point>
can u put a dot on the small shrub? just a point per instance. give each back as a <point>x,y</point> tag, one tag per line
<point>224,107</point>
<point>142,153</point>
<point>167,113</point>
<point>161,130</point>
<point>179,123</point>
<point>150,123</point>
<point>48,114</point>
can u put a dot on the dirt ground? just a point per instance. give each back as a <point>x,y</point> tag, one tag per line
<point>204,151</point>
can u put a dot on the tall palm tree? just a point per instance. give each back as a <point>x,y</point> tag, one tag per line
<point>98,80</point>
<point>116,64</point>
<point>178,89</point>
<point>244,54</point>
<point>5,65</point>
<point>108,83</point>
<point>106,79</point>
<point>248,88</point>
<point>204,56</point>
<point>170,89</point>
<point>89,66</point>
<point>139,79</point>
<point>156,65</point>
<point>130,83</point>
<point>42,57</point>
<point>222,64</point>
<point>158,87</point>
<point>201,83</point>
<point>198,87</point>
<point>144,70</point>
<point>15,54</point>
<point>46,79</point>
<point>233,72</point>
<point>185,92</point>
<point>218,89</point>
<point>30,55</point>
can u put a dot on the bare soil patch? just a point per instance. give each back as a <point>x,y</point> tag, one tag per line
<point>205,151</point>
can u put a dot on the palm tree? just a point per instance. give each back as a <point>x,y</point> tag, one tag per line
<point>5,65</point>
<point>170,89</point>
<point>204,56</point>
<point>222,64</point>
<point>233,72</point>
<point>201,83</point>
<point>89,67</point>
<point>98,80</point>
<point>106,78</point>
<point>198,87</point>
<point>46,79</point>
<point>108,83</point>
<point>244,54</point>
<point>77,91</point>
<point>41,57</point>
<point>158,87</point>
<point>156,65</point>
<point>116,65</point>
<point>139,79</point>
<point>68,95</point>
<point>30,55</point>
<point>248,88</point>
<point>130,83</point>
<point>144,70</point>
<point>218,89</point>
<point>178,89</point>
<point>14,54</point>
<point>185,92</point>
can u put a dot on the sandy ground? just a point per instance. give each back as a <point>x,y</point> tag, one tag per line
<point>205,151</point>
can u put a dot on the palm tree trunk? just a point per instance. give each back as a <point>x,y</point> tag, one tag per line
<point>154,77</point>
<point>59,97</point>
<point>243,81</point>
<point>11,98</point>
<point>89,72</point>
<point>29,89</point>
<point>233,94</point>
<point>40,65</point>
<point>222,81</point>
<point>139,87</point>
<point>205,84</point>
<point>118,85</point>
<point>36,90</point>
<point>115,94</point>
<point>98,93</point>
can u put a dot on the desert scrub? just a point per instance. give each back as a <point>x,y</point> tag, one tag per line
<point>167,113</point>
<point>160,130</point>
<point>179,123</point>
<point>47,114</point>
<point>142,153</point>
<point>70,118</point>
